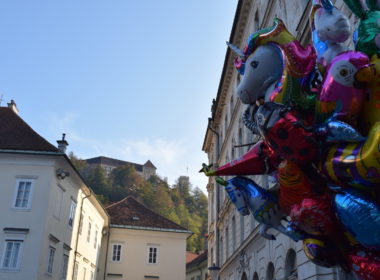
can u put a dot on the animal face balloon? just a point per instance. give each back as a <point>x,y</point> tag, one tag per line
<point>273,65</point>
<point>331,24</point>
<point>343,89</point>
<point>262,70</point>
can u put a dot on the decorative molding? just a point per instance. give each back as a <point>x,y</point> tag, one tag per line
<point>10,230</point>
<point>53,239</point>
<point>66,247</point>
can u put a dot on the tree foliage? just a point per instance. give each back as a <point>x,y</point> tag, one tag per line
<point>180,203</point>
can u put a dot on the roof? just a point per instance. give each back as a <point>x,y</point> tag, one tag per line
<point>15,134</point>
<point>113,162</point>
<point>190,256</point>
<point>130,212</point>
<point>198,260</point>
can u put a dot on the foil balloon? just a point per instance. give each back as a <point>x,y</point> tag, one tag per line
<point>360,216</point>
<point>334,131</point>
<point>286,132</point>
<point>245,193</point>
<point>272,67</point>
<point>314,215</point>
<point>323,252</point>
<point>354,165</point>
<point>365,264</point>
<point>343,89</point>
<point>330,29</point>
<point>368,30</point>
<point>260,159</point>
<point>371,108</point>
<point>294,185</point>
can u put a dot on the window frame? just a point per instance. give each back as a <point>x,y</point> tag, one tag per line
<point>72,211</point>
<point>19,255</point>
<point>76,270</point>
<point>96,237</point>
<point>155,257</point>
<point>65,266</point>
<point>88,238</point>
<point>50,262</point>
<point>113,252</point>
<point>30,197</point>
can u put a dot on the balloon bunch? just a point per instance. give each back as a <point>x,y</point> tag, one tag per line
<point>317,110</point>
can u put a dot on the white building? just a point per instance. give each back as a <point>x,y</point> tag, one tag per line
<point>51,223</point>
<point>141,244</point>
<point>234,243</point>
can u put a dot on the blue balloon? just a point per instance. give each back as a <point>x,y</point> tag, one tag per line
<point>361,217</point>
<point>337,131</point>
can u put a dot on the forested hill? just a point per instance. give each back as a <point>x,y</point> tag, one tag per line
<point>180,203</point>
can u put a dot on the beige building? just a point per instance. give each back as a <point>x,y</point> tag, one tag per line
<point>234,243</point>
<point>145,170</point>
<point>51,223</point>
<point>197,268</point>
<point>141,244</point>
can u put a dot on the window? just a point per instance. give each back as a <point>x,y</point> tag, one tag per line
<point>50,260</point>
<point>89,232</point>
<point>84,273</point>
<point>64,266</point>
<point>12,254</point>
<point>92,275</point>
<point>23,194</point>
<point>152,254</point>
<point>58,203</point>
<point>73,206</point>
<point>227,243</point>
<point>233,233</point>
<point>116,252</point>
<point>81,223</point>
<point>76,267</point>
<point>96,237</point>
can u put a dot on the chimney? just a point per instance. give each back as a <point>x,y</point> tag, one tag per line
<point>12,105</point>
<point>62,144</point>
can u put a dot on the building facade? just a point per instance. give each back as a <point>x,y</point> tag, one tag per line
<point>145,170</point>
<point>51,223</point>
<point>234,243</point>
<point>141,244</point>
<point>197,269</point>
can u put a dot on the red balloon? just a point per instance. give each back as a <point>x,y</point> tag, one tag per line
<point>365,264</point>
<point>315,216</point>
<point>294,185</point>
<point>260,159</point>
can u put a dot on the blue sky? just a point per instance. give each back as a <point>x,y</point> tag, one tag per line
<point>126,79</point>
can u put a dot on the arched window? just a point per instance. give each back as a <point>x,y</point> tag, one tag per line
<point>226,124</point>
<point>232,105</point>
<point>270,272</point>
<point>257,22</point>
<point>233,233</point>
<point>241,229</point>
<point>240,142</point>
<point>255,276</point>
<point>233,149</point>
<point>291,265</point>
<point>244,276</point>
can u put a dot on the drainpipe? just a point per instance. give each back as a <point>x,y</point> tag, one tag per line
<point>108,242</point>
<point>217,192</point>
<point>76,242</point>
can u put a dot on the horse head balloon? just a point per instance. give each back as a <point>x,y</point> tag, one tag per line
<point>272,65</point>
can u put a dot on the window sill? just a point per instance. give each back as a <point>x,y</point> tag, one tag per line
<point>10,270</point>
<point>21,209</point>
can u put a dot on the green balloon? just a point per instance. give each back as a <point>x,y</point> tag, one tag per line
<point>368,29</point>
<point>355,7</point>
